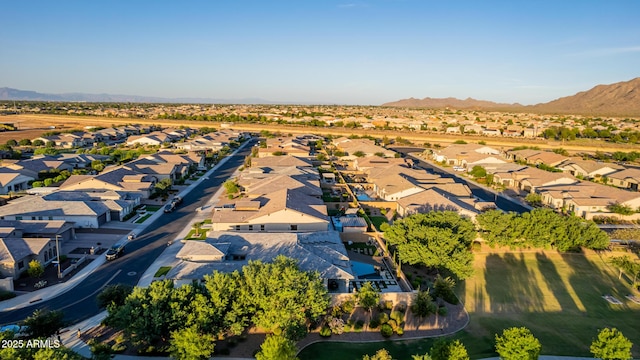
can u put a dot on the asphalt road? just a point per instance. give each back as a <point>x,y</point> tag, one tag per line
<point>478,191</point>
<point>80,303</point>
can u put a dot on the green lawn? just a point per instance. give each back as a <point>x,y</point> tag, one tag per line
<point>152,208</point>
<point>192,235</point>
<point>162,271</point>
<point>557,296</point>
<point>143,218</point>
<point>378,220</point>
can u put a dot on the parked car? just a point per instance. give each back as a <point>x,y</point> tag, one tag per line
<point>169,207</point>
<point>458,168</point>
<point>177,200</point>
<point>115,251</point>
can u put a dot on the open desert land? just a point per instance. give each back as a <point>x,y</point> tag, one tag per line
<point>557,296</point>
<point>32,125</point>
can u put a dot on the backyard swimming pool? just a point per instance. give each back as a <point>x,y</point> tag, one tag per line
<point>364,270</point>
<point>363,197</point>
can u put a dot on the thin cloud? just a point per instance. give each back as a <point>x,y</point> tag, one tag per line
<point>352,5</point>
<point>608,51</point>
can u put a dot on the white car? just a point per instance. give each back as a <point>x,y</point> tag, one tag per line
<point>458,168</point>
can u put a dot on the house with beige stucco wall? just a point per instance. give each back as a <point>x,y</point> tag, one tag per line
<point>285,210</point>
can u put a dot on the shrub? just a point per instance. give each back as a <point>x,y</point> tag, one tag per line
<point>388,304</point>
<point>325,331</point>
<point>383,318</point>
<point>358,326</point>
<point>400,331</point>
<point>442,311</point>
<point>118,347</point>
<point>4,295</point>
<point>100,350</point>
<point>374,323</point>
<point>398,316</point>
<point>336,325</point>
<point>348,306</point>
<point>386,330</point>
<point>443,288</point>
<point>348,326</point>
<point>393,324</point>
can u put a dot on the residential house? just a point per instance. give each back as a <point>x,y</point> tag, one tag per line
<point>84,214</point>
<point>625,179</point>
<point>588,169</point>
<point>368,162</point>
<point>227,252</point>
<point>529,179</point>
<point>13,181</point>
<point>434,200</point>
<point>285,210</point>
<point>548,158</point>
<point>466,154</point>
<point>365,146</point>
<point>117,179</point>
<point>155,138</point>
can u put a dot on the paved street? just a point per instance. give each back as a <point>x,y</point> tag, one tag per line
<point>140,254</point>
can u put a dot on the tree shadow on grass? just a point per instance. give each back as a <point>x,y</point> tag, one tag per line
<point>511,286</point>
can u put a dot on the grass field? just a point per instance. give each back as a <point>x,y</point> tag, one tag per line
<point>557,296</point>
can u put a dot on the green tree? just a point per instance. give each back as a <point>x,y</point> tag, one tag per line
<point>146,315</point>
<point>611,344</point>
<point>448,350</point>
<point>11,142</point>
<point>97,165</point>
<point>621,209</point>
<point>443,288</point>
<point>421,357</point>
<point>191,344</point>
<point>114,295</point>
<point>43,324</point>
<point>423,304</point>
<point>381,354</point>
<point>367,297</point>
<point>231,187</point>
<point>196,227</point>
<point>277,347</point>
<point>283,296</point>
<point>24,142</point>
<point>35,268</point>
<point>517,343</point>
<point>438,239</point>
<point>478,172</point>
<point>162,187</point>
<point>60,353</point>
<point>37,142</point>
<point>534,199</point>
<point>359,154</point>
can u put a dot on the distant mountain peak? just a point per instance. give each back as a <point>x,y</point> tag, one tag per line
<point>451,102</point>
<point>7,93</point>
<point>618,99</point>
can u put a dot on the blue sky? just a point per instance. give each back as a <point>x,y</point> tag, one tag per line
<point>345,52</point>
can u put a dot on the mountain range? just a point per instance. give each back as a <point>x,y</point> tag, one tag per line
<point>7,93</point>
<point>619,99</point>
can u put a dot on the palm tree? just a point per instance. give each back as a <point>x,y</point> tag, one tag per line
<point>197,226</point>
